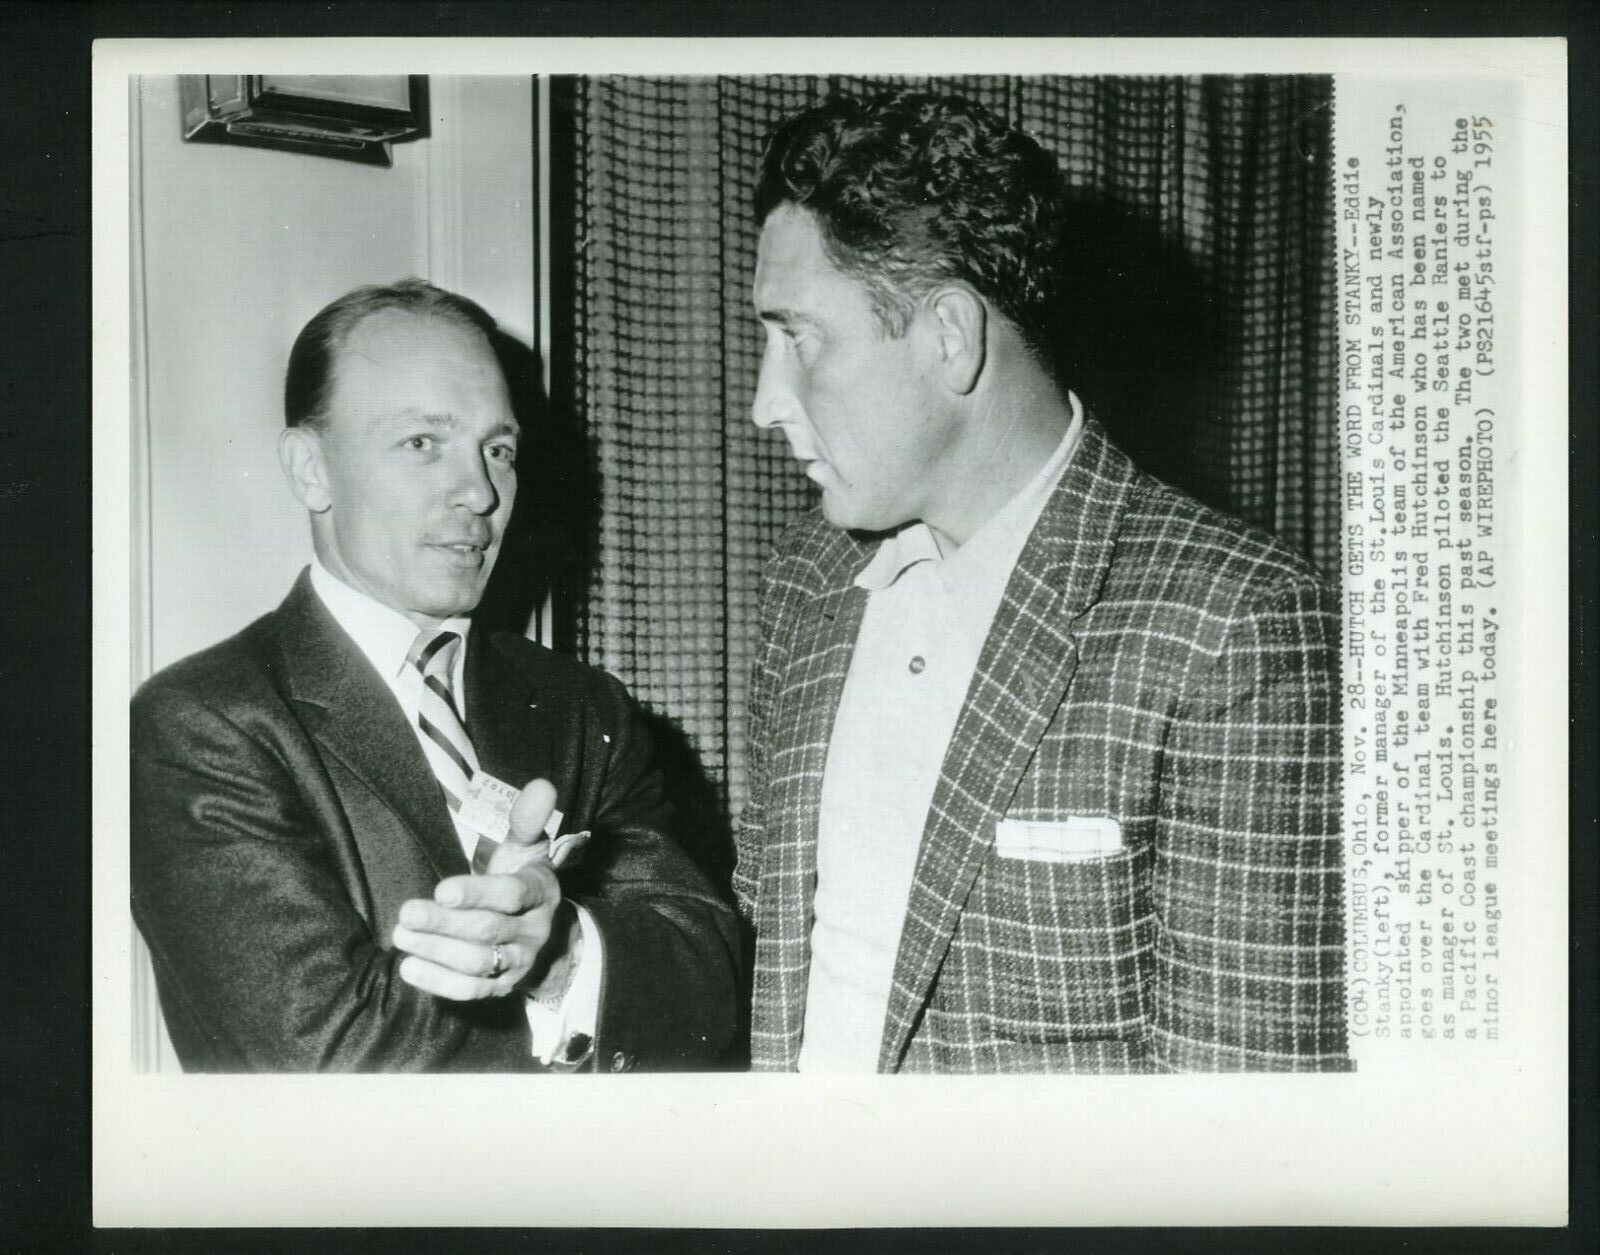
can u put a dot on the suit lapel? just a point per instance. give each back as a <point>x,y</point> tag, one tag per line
<point>813,682</point>
<point>351,712</point>
<point>1022,676</point>
<point>507,731</point>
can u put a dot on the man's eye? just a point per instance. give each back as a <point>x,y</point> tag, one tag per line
<point>503,453</point>
<point>420,443</point>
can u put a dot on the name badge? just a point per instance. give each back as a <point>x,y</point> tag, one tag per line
<point>486,809</point>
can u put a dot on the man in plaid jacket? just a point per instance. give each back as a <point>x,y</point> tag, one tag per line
<point>1045,755</point>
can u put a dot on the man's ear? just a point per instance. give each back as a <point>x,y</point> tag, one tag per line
<point>961,320</point>
<point>301,455</point>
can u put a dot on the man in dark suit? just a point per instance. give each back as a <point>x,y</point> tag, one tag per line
<point>331,861</point>
<point>1045,756</point>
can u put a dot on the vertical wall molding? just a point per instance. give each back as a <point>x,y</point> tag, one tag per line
<point>442,184</point>
<point>541,225</point>
<point>151,1050</point>
<point>542,629</point>
<point>142,536</point>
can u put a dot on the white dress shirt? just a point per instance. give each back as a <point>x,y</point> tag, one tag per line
<point>929,608</point>
<point>385,637</point>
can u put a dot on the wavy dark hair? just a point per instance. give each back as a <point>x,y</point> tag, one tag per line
<point>912,190</point>
<point>308,382</point>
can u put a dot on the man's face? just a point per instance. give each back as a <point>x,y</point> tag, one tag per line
<point>859,410</point>
<point>419,462</point>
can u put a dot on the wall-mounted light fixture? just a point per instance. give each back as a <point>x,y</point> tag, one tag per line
<point>354,117</point>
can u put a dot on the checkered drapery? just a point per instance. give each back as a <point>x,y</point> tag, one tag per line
<point>1205,316</point>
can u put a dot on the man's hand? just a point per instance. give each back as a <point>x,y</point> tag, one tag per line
<point>450,942</point>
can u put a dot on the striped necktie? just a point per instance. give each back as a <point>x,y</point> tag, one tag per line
<point>444,739</point>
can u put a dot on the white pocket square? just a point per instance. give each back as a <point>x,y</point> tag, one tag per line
<point>1070,840</point>
<point>567,849</point>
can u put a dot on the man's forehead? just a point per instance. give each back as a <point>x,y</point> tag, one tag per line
<point>394,348</point>
<point>789,259</point>
<point>389,333</point>
<point>401,365</point>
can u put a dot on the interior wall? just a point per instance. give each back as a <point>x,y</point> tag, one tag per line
<point>239,247</point>
<point>233,250</point>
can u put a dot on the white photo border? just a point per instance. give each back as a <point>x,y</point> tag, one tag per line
<point>1467,1141</point>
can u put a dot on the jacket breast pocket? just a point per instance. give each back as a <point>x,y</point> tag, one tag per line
<point>1060,951</point>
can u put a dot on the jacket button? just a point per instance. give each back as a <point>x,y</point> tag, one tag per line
<point>620,1062</point>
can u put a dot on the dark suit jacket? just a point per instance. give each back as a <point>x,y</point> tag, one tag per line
<point>1152,662</point>
<point>283,811</point>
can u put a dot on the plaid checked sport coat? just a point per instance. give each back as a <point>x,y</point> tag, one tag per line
<point>1152,661</point>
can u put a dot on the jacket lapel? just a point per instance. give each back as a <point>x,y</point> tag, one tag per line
<point>350,711</point>
<point>1022,675</point>
<point>812,684</point>
<point>507,731</point>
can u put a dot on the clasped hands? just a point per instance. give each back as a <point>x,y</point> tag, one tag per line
<point>516,905</point>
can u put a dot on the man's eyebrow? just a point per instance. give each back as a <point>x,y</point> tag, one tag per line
<point>443,418</point>
<point>785,317</point>
<point>433,418</point>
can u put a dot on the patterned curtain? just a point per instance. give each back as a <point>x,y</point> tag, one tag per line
<point>1203,329</point>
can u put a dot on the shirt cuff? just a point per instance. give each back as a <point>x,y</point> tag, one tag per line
<point>579,1008</point>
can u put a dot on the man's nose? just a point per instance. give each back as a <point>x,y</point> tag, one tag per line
<point>474,490</point>
<point>774,401</point>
